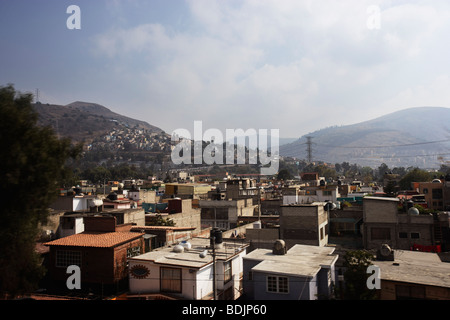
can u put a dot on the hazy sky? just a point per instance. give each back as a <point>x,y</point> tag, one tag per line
<point>296,66</point>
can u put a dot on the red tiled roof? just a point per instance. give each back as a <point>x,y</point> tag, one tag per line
<point>95,239</point>
<point>162,228</point>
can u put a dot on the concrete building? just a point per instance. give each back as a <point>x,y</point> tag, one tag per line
<point>241,188</point>
<point>384,223</point>
<point>301,273</point>
<point>66,223</point>
<point>304,224</point>
<point>434,193</point>
<point>187,190</point>
<point>142,196</point>
<point>116,201</point>
<point>225,214</point>
<point>310,194</point>
<point>189,271</point>
<point>77,202</point>
<point>162,236</point>
<point>414,275</point>
<point>181,212</point>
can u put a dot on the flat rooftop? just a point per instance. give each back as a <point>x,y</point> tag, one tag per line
<point>300,260</point>
<point>190,258</point>
<point>424,268</point>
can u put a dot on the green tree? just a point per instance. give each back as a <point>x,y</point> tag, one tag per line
<point>414,175</point>
<point>284,174</point>
<point>33,165</point>
<point>356,263</point>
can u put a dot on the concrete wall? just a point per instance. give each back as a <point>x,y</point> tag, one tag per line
<point>382,213</point>
<point>187,219</point>
<point>301,224</point>
<point>262,238</point>
<point>388,291</point>
<point>380,210</point>
<point>136,216</point>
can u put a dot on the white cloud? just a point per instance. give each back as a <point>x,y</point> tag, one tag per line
<point>283,64</point>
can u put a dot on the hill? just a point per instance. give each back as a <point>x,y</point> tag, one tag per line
<point>84,121</point>
<point>410,137</point>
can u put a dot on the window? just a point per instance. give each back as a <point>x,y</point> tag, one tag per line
<point>227,274</point>
<point>437,193</point>
<point>321,233</point>
<point>170,280</point>
<point>65,258</point>
<point>403,235</point>
<point>381,233</point>
<point>415,235</point>
<point>277,284</point>
<point>132,252</point>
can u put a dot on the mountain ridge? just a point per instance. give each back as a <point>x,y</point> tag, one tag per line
<point>85,121</point>
<point>402,138</point>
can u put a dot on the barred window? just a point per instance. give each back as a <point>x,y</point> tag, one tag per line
<point>65,258</point>
<point>277,284</point>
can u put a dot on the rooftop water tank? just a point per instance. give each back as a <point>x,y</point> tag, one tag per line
<point>413,211</point>
<point>178,248</point>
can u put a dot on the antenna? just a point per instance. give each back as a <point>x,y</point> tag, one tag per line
<point>37,95</point>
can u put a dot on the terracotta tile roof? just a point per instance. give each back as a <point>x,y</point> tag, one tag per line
<point>162,228</point>
<point>95,239</point>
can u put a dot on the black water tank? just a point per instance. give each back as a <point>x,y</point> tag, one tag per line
<point>217,234</point>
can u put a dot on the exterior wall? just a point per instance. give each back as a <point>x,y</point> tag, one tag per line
<point>98,265</point>
<point>235,209</point>
<point>187,219</point>
<point>271,206</point>
<point>399,227</point>
<point>318,194</point>
<point>204,282</point>
<point>78,227</point>
<point>148,284</point>
<point>377,210</point>
<point>236,268</point>
<point>389,291</point>
<point>433,202</point>
<point>79,204</point>
<point>302,223</point>
<point>262,238</point>
<point>300,288</point>
<point>136,216</point>
<point>196,285</point>
<point>143,195</point>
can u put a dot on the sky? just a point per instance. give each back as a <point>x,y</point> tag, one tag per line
<point>292,65</point>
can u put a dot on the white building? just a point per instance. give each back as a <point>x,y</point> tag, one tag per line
<point>185,271</point>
